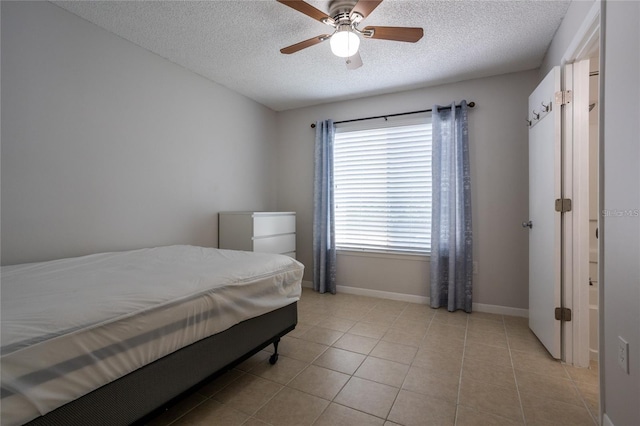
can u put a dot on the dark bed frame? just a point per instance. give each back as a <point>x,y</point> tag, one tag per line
<point>140,394</point>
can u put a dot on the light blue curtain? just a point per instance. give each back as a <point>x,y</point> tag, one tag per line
<point>324,250</point>
<point>451,236</point>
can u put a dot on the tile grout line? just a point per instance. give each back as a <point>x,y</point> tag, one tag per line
<point>513,368</point>
<point>464,348</point>
<point>584,402</point>
<point>430,321</point>
<point>350,375</point>
<point>286,385</point>
<point>331,401</point>
<point>206,398</point>
<point>386,417</point>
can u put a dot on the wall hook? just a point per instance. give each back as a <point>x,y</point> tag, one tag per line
<point>536,115</point>
<point>545,108</point>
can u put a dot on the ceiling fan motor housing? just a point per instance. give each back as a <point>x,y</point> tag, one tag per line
<point>344,16</point>
<point>341,9</point>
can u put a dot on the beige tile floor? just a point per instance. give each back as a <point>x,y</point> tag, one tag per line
<point>356,360</point>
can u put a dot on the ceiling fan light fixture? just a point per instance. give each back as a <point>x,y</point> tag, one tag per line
<point>344,42</point>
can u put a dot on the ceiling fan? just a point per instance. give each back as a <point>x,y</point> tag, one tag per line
<point>344,17</point>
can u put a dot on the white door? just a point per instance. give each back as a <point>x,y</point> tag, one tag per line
<point>545,149</point>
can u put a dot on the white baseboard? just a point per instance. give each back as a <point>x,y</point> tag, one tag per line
<point>412,298</point>
<point>606,421</point>
<point>402,297</point>
<point>501,310</point>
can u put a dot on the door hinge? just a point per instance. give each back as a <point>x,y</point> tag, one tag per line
<point>564,97</point>
<point>563,314</point>
<point>563,205</point>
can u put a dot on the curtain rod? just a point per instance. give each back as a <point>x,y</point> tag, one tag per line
<point>470,105</point>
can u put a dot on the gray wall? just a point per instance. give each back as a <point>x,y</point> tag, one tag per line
<point>106,146</point>
<point>621,235</point>
<point>575,16</point>
<point>498,139</point>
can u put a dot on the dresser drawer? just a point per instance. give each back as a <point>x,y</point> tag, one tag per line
<point>277,244</point>
<point>266,232</point>
<point>264,225</point>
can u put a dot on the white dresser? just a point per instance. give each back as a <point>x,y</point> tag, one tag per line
<point>267,232</point>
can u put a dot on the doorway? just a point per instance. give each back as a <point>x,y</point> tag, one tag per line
<point>578,283</point>
<point>582,291</point>
<point>594,156</point>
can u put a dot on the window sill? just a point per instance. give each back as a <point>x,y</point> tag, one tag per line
<point>416,257</point>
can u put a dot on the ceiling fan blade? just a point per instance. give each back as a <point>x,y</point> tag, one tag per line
<point>364,7</point>
<point>307,9</point>
<point>304,44</point>
<point>354,62</point>
<point>408,34</point>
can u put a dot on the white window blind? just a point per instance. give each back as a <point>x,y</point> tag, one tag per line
<point>382,182</point>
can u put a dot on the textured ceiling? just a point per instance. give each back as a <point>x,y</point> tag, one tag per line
<point>236,43</point>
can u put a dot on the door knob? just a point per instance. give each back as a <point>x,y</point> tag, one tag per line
<point>527,225</point>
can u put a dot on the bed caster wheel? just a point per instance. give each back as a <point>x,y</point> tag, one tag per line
<point>273,359</point>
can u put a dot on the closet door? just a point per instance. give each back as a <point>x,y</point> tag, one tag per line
<point>544,222</point>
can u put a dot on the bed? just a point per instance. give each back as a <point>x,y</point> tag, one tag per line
<point>108,338</point>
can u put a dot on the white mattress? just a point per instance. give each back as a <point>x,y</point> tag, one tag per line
<point>72,325</point>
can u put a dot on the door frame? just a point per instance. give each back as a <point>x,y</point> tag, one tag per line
<point>575,293</point>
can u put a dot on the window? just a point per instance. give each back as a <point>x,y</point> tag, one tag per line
<point>382,182</point>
